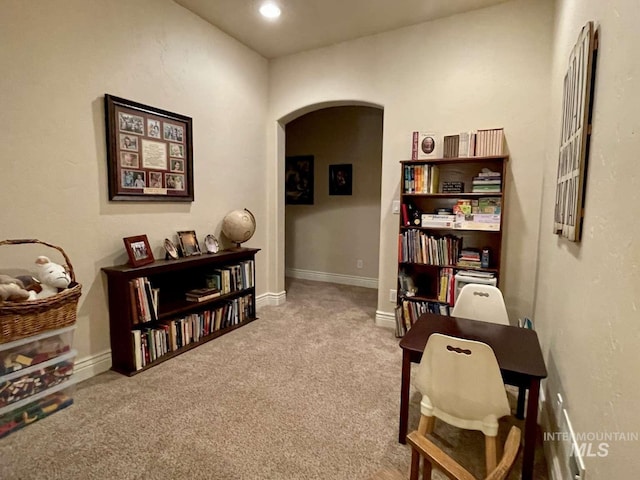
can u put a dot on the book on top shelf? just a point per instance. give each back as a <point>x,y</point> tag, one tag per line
<point>490,142</point>
<point>466,144</point>
<point>425,145</point>
<point>451,146</point>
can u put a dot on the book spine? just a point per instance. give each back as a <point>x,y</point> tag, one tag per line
<point>414,146</point>
<point>137,348</point>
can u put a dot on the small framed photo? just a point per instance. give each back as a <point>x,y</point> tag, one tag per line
<point>189,243</point>
<point>340,177</point>
<point>153,128</point>
<point>176,150</point>
<point>138,250</point>
<point>174,182</point>
<point>211,244</point>
<point>129,160</point>
<point>128,142</point>
<point>177,165</point>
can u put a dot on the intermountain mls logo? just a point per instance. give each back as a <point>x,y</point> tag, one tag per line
<point>592,444</point>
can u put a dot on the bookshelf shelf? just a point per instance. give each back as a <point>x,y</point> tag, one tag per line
<point>455,267</point>
<point>428,256</point>
<point>139,343</point>
<point>452,195</point>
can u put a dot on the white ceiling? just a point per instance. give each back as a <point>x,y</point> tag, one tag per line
<point>307,24</point>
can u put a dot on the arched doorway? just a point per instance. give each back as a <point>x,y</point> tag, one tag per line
<point>335,238</point>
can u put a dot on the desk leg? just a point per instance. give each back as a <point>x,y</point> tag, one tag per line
<point>404,396</point>
<point>530,430</point>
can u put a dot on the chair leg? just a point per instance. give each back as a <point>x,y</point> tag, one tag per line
<point>426,424</point>
<point>491,454</point>
<point>522,394</point>
<point>415,465</point>
<point>426,469</point>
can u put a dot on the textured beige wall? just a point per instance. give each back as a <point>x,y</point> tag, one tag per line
<point>333,233</point>
<point>588,294</point>
<point>482,69</point>
<point>59,58</point>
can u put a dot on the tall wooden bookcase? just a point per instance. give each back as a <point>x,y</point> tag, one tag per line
<point>172,279</point>
<point>426,277</point>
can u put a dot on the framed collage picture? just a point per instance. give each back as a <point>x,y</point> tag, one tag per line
<point>149,153</point>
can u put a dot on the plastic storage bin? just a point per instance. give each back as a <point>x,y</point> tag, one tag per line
<point>25,383</point>
<point>24,412</point>
<point>30,351</point>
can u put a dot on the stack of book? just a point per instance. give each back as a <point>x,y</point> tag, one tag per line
<point>469,257</point>
<point>202,294</point>
<point>487,182</point>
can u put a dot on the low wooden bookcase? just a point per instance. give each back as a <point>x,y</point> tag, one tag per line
<point>172,279</point>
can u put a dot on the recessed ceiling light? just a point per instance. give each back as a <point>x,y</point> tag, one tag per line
<point>270,10</point>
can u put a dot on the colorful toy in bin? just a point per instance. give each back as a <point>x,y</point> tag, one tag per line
<point>37,410</point>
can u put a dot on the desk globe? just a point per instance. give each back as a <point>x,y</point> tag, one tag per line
<point>239,226</point>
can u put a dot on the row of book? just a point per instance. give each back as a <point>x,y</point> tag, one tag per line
<point>409,311</point>
<point>446,286</point>
<point>489,142</point>
<point>152,343</point>
<point>480,143</point>
<point>421,178</point>
<point>233,278</point>
<point>415,246</point>
<point>144,300</point>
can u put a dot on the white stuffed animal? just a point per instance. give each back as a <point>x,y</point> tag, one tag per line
<point>51,276</point>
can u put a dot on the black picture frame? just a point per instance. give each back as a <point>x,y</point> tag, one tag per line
<point>149,152</point>
<point>299,180</point>
<point>340,179</point>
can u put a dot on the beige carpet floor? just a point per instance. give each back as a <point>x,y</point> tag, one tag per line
<point>308,391</point>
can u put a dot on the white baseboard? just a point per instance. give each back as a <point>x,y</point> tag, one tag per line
<point>332,278</point>
<point>385,320</point>
<point>550,453</point>
<point>91,366</point>
<point>271,299</point>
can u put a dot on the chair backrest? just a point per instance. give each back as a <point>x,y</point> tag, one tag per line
<point>432,454</point>
<point>461,383</point>
<point>481,302</point>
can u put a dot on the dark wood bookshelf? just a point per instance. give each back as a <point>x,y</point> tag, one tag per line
<point>426,277</point>
<point>173,278</point>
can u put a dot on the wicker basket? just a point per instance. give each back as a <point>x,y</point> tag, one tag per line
<point>23,319</point>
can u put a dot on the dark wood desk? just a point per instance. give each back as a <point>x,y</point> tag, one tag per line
<point>517,351</point>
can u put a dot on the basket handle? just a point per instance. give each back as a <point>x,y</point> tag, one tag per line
<point>33,240</point>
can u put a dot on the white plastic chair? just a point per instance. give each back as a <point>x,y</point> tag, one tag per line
<point>486,303</point>
<point>461,384</point>
<point>481,302</point>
